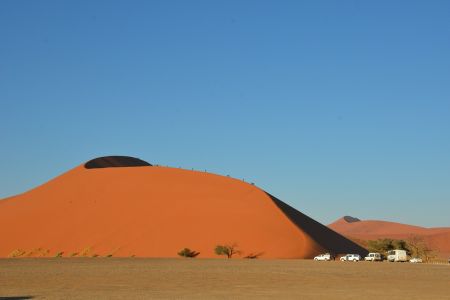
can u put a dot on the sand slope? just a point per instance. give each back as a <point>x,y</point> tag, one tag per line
<point>137,209</point>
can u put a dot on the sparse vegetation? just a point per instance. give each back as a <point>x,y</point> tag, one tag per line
<point>86,251</point>
<point>17,253</point>
<point>384,245</point>
<point>228,250</point>
<point>186,252</point>
<point>414,246</point>
<point>31,252</point>
<point>73,254</point>
<point>59,254</point>
<point>44,252</point>
<point>37,252</point>
<point>419,248</point>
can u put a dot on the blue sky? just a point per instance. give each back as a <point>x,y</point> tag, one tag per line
<point>335,107</point>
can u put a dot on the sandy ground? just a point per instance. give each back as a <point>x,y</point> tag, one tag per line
<point>135,278</point>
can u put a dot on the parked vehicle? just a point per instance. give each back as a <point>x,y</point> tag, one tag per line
<point>351,257</point>
<point>397,256</point>
<point>326,256</point>
<point>373,256</point>
<point>415,260</point>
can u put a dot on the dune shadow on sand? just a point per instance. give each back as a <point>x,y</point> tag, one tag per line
<point>327,238</point>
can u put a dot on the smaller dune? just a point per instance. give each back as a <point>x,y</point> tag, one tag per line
<point>437,238</point>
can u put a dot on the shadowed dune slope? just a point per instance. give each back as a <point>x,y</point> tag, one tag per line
<point>115,162</point>
<point>153,211</point>
<point>437,238</point>
<point>329,239</point>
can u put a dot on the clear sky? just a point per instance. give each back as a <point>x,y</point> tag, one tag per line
<point>335,107</point>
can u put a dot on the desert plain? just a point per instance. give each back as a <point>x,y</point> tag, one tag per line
<point>142,278</point>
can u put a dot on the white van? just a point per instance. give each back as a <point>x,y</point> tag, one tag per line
<point>396,255</point>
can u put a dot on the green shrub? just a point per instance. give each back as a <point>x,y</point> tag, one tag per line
<point>228,250</point>
<point>385,245</point>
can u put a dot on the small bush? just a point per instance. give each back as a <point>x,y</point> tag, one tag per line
<point>59,254</point>
<point>186,252</point>
<point>253,255</point>
<point>228,250</point>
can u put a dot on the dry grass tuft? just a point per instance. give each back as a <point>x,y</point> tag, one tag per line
<point>86,251</point>
<point>17,253</point>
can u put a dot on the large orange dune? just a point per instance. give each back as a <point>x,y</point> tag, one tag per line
<point>437,238</point>
<point>123,206</point>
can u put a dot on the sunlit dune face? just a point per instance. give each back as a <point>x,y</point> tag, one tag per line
<point>117,206</point>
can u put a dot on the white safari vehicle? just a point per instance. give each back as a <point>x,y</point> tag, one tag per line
<point>326,256</point>
<point>351,257</point>
<point>397,256</point>
<point>373,256</point>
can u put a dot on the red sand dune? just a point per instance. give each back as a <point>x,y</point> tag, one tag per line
<point>437,238</point>
<point>124,206</point>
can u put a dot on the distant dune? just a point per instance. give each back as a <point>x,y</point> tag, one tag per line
<point>437,238</point>
<point>123,206</point>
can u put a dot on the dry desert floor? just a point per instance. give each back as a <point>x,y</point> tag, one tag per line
<point>138,278</point>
